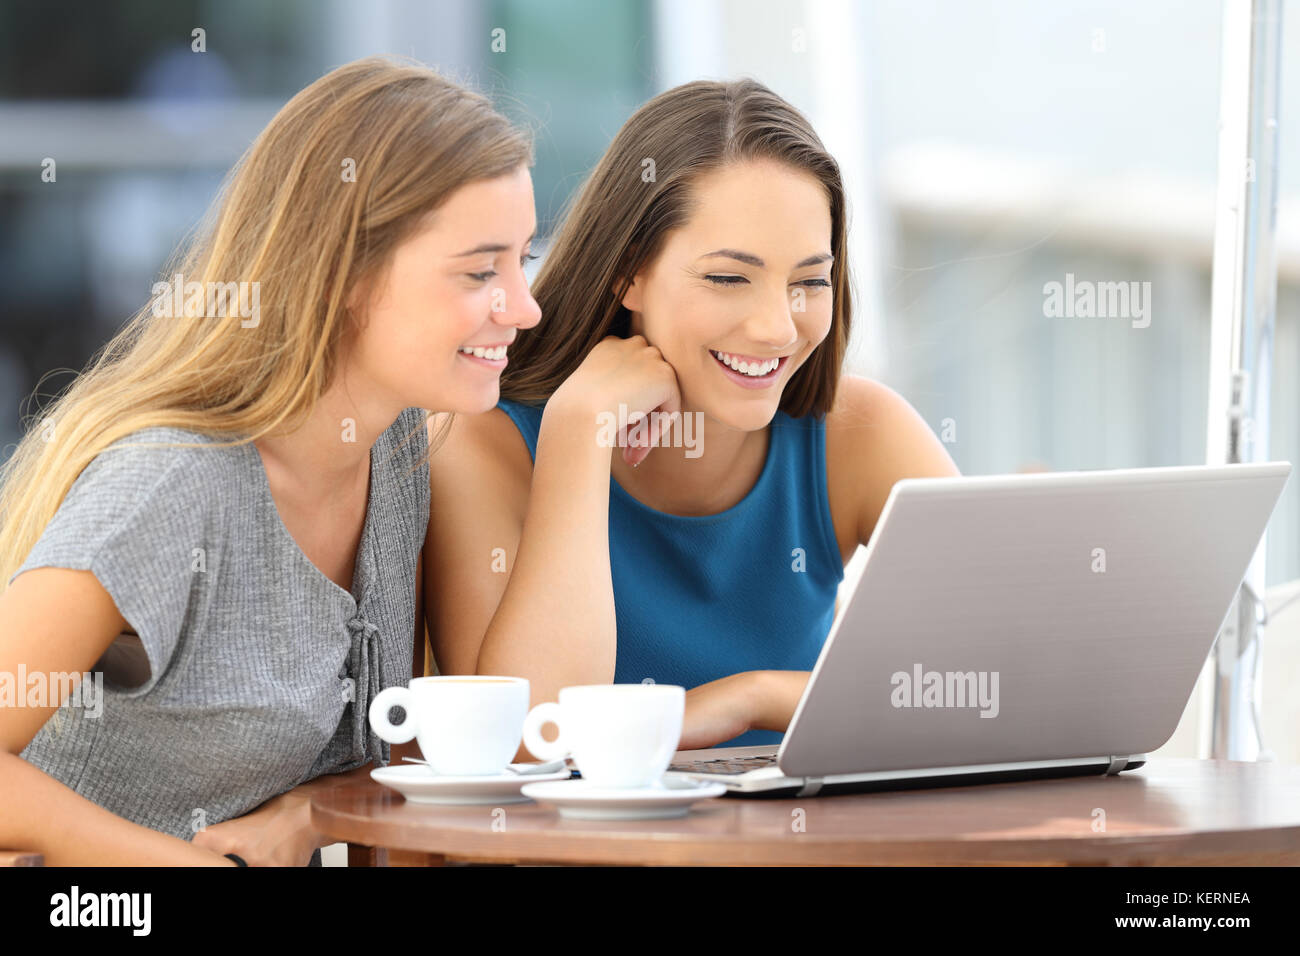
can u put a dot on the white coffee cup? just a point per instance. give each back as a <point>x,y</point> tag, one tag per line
<point>465,725</point>
<point>619,735</point>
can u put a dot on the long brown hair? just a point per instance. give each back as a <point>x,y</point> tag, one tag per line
<point>290,218</point>
<point>641,189</point>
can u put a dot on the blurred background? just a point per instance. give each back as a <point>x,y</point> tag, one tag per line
<point>989,148</point>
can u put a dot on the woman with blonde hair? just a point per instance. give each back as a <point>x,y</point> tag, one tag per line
<point>696,309</point>
<point>220,522</point>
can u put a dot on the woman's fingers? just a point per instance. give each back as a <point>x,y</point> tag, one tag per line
<point>637,443</point>
<point>635,455</point>
<point>667,413</point>
<point>630,378</point>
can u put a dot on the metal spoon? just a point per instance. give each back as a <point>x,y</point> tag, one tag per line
<point>549,766</point>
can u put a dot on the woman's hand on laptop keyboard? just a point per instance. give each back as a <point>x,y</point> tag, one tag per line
<point>751,700</point>
<point>721,709</point>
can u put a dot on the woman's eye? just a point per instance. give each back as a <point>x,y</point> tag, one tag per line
<point>527,257</point>
<point>816,283</point>
<point>726,280</point>
<point>481,276</point>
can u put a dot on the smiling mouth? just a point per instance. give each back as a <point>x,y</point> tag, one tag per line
<point>756,369</point>
<point>492,354</point>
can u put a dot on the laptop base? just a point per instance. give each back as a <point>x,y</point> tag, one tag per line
<point>772,784</point>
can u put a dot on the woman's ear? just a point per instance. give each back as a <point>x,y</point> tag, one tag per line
<point>632,295</point>
<point>632,305</point>
<point>632,287</point>
<point>358,299</point>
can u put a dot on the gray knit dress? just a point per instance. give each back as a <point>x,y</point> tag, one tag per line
<point>253,671</point>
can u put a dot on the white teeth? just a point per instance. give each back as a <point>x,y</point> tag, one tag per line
<point>495,353</point>
<point>752,369</point>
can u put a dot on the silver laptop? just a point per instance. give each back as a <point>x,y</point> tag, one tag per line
<point>1016,626</point>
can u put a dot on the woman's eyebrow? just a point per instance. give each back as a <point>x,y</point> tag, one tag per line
<point>814,260</point>
<point>746,257</point>
<point>753,260</point>
<point>490,247</point>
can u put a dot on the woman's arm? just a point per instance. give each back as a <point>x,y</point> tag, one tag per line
<point>496,525</point>
<point>518,578</point>
<point>59,621</point>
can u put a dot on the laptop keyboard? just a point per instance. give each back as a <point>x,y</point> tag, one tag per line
<point>726,765</point>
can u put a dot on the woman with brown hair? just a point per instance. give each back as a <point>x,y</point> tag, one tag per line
<point>698,284</point>
<point>221,520</point>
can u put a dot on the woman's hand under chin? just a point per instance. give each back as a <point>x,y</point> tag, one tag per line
<point>626,378</point>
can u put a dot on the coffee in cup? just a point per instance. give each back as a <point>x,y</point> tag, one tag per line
<point>465,725</point>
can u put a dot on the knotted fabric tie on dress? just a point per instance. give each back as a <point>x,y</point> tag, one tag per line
<point>365,666</point>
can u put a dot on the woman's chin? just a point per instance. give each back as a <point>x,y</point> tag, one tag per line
<point>464,402</point>
<point>745,415</point>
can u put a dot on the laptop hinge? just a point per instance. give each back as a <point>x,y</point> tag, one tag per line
<point>810,787</point>
<point>1116,765</point>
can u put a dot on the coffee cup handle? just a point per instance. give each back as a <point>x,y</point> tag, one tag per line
<point>538,746</point>
<point>384,701</point>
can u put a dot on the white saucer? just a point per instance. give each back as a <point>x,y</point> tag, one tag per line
<point>418,784</point>
<point>579,800</point>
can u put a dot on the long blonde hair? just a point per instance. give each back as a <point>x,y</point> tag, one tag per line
<point>340,176</point>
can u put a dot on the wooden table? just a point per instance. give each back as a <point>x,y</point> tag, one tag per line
<point>1168,813</point>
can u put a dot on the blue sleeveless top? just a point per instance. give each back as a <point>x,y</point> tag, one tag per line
<point>751,588</point>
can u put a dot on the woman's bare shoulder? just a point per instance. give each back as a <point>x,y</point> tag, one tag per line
<point>874,438</point>
<point>491,433</point>
<point>862,403</point>
<point>869,416</point>
<point>484,450</point>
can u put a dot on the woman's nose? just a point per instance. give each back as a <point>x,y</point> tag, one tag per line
<point>519,308</point>
<point>774,326</point>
